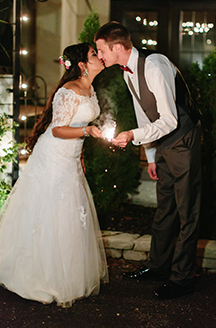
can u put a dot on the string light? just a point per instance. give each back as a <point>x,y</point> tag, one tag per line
<point>153,23</point>
<point>145,21</point>
<point>138,18</point>
<point>189,28</point>
<point>23,151</point>
<point>150,42</point>
<point>24,18</point>
<point>24,86</point>
<point>24,52</point>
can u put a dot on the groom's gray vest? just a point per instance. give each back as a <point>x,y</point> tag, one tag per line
<point>188,115</point>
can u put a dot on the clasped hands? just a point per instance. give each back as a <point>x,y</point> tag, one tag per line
<point>120,141</point>
<point>123,139</point>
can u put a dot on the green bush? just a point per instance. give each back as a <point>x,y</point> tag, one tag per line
<point>91,25</point>
<point>112,173</point>
<point>9,155</point>
<point>202,83</point>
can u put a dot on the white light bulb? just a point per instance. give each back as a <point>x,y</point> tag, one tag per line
<point>24,86</point>
<point>138,18</point>
<point>24,18</point>
<point>23,151</point>
<point>24,52</point>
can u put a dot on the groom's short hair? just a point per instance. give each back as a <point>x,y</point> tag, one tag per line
<point>113,33</point>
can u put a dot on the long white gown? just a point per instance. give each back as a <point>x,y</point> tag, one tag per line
<point>50,241</point>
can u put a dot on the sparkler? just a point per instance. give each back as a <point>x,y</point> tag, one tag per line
<point>108,130</point>
<point>107,125</point>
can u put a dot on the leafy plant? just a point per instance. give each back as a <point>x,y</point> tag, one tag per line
<point>91,25</point>
<point>9,154</point>
<point>202,82</point>
<point>112,173</point>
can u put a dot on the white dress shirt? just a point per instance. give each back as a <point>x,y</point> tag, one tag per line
<point>160,78</point>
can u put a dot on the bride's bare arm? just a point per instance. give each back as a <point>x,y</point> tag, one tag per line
<point>68,132</point>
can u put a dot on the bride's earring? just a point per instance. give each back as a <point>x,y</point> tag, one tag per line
<point>85,73</point>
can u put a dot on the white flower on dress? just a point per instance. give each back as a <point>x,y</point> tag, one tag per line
<point>37,226</point>
<point>83,216</point>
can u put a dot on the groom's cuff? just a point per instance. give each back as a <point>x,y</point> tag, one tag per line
<point>138,136</point>
<point>150,154</point>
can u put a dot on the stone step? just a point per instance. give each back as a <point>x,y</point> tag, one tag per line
<point>136,248</point>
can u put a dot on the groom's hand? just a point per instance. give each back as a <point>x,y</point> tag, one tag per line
<point>152,171</point>
<point>123,138</point>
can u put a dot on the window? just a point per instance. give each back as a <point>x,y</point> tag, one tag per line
<point>196,36</point>
<point>143,27</point>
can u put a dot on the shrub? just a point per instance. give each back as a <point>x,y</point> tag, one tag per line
<point>9,154</point>
<point>112,173</point>
<point>202,82</point>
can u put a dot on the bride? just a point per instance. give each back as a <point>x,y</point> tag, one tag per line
<point>50,242</point>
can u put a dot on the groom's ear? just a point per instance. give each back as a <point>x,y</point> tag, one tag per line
<point>117,47</point>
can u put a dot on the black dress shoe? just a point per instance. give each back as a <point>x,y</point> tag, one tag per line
<point>142,274</point>
<point>172,290</point>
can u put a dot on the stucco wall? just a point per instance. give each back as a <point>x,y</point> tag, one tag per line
<point>102,7</point>
<point>58,24</point>
<point>48,41</point>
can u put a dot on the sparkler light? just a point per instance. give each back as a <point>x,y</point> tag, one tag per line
<point>108,130</point>
<point>107,125</point>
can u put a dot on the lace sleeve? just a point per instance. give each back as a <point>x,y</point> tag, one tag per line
<point>65,105</point>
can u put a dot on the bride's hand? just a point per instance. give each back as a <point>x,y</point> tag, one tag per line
<point>93,131</point>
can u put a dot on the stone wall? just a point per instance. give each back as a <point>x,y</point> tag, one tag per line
<point>136,248</point>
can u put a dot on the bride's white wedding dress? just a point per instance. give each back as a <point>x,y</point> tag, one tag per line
<point>50,241</point>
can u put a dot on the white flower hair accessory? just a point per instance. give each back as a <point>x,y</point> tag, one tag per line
<point>63,60</point>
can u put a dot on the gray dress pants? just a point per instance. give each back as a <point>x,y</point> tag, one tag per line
<point>175,228</point>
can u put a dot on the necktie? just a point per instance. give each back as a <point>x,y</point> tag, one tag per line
<point>126,68</point>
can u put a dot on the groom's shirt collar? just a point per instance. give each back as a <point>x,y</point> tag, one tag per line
<point>132,61</point>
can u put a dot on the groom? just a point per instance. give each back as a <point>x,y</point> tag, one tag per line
<point>169,129</point>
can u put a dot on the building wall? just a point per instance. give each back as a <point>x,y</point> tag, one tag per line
<point>101,7</point>
<point>58,24</point>
<point>48,41</point>
<point>172,40</point>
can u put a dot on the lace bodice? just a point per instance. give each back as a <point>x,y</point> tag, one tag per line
<point>72,109</point>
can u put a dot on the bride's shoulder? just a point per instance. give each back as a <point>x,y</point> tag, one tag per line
<point>72,85</point>
<point>67,90</point>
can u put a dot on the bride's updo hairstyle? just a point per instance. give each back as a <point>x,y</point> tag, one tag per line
<point>74,54</point>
